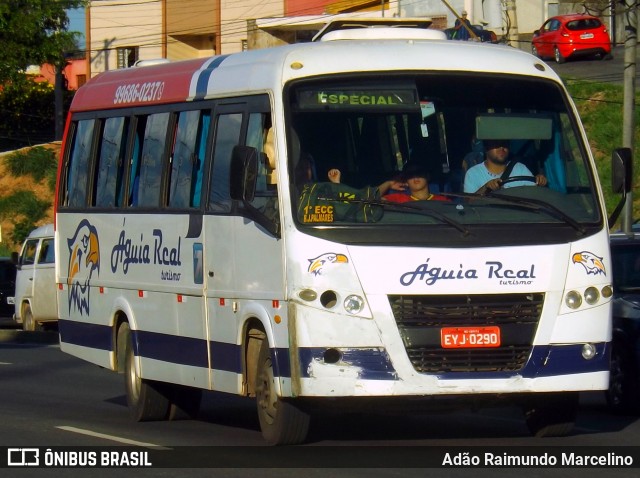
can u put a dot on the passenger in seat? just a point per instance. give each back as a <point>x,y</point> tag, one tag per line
<point>413,185</point>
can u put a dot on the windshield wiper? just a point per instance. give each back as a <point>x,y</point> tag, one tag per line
<point>416,209</point>
<point>537,205</point>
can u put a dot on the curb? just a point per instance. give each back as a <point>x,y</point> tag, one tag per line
<point>22,337</point>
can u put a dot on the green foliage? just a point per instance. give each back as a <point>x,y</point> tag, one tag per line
<point>5,251</point>
<point>33,32</point>
<point>601,107</point>
<point>27,114</point>
<point>25,210</point>
<point>39,163</point>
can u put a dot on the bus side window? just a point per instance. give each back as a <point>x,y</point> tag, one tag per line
<point>111,163</point>
<point>185,159</point>
<point>201,148</point>
<point>260,136</point>
<point>79,164</point>
<point>152,160</point>
<point>134,170</point>
<point>227,136</point>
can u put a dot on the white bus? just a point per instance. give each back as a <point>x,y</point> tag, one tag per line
<point>201,246</point>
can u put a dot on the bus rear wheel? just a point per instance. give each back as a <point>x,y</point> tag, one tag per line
<point>281,422</point>
<point>145,400</point>
<point>552,415</point>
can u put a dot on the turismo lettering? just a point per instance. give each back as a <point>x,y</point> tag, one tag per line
<point>495,270</point>
<point>127,252</point>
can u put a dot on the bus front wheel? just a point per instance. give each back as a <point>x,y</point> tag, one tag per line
<point>145,400</point>
<point>29,324</point>
<point>281,422</point>
<point>552,415</point>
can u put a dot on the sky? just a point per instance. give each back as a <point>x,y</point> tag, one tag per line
<point>77,23</point>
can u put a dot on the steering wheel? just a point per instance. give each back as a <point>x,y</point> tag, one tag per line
<point>512,179</point>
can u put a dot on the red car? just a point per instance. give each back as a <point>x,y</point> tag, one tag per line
<point>566,36</point>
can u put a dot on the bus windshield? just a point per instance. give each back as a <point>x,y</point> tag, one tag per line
<point>379,131</point>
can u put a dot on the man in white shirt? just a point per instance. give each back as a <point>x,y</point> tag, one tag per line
<point>487,176</point>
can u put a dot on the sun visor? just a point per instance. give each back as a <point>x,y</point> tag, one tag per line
<point>508,126</point>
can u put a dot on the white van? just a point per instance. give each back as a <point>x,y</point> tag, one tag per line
<point>35,299</point>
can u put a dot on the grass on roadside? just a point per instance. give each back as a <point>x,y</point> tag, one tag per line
<point>601,108</point>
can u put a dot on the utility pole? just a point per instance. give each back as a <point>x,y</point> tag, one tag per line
<point>629,109</point>
<point>513,35</point>
<point>58,98</point>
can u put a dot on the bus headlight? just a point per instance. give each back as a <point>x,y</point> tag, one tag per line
<point>591,295</point>
<point>353,304</point>
<point>607,291</point>
<point>573,299</point>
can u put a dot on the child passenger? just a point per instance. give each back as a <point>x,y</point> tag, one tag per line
<point>417,186</point>
<point>413,185</point>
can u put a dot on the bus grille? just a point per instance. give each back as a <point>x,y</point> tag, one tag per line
<point>420,319</point>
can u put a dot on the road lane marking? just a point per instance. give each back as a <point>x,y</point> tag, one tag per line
<point>112,438</point>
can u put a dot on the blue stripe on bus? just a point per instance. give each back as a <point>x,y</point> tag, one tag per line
<point>374,363</point>
<point>172,348</point>
<point>227,357</point>
<point>86,335</point>
<point>551,360</point>
<point>204,75</point>
<point>548,361</point>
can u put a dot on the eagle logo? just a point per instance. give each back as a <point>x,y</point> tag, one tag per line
<point>592,263</point>
<point>84,258</point>
<point>317,265</point>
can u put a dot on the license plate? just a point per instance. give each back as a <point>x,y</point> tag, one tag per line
<point>586,36</point>
<point>470,337</point>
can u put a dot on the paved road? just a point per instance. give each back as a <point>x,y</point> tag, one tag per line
<point>49,399</point>
<point>604,71</point>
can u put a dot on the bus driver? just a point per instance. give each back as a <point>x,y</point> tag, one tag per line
<point>496,168</point>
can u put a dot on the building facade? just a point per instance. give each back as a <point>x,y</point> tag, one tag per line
<point>121,33</point>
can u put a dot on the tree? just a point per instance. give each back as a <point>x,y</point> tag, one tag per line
<point>33,32</point>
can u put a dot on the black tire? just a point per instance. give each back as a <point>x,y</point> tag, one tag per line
<point>558,56</point>
<point>534,51</point>
<point>551,415</point>
<point>623,395</point>
<point>281,422</point>
<point>144,397</point>
<point>184,402</point>
<point>29,324</point>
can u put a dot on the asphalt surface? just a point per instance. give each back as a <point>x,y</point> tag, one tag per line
<point>12,332</point>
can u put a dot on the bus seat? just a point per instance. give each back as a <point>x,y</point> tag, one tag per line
<point>554,168</point>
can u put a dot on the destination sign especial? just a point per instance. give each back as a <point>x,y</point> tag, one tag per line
<point>382,98</point>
